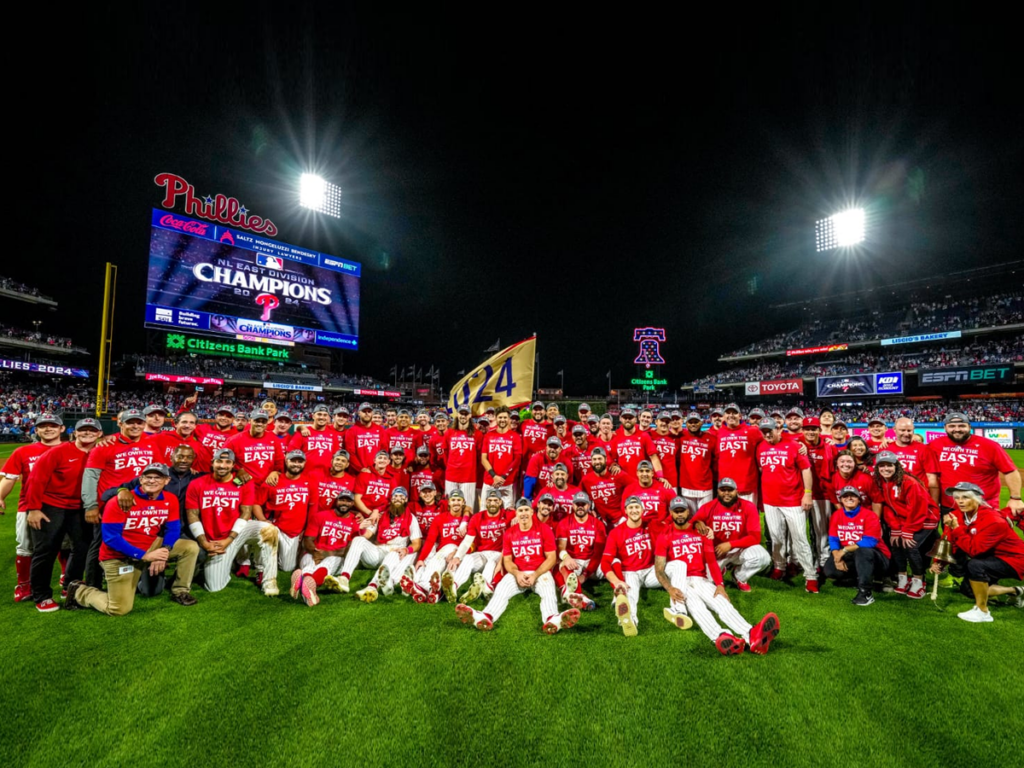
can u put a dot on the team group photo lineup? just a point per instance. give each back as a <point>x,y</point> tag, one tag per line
<point>398,385</point>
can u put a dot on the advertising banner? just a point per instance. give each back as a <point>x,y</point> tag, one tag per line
<point>888,383</point>
<point>922,337</point>
<point>293,387</point>
<point>173,379</point>
<point>779,387</point>
<point>817,350</point>
<point>53,370</point>
<point>966,374</point>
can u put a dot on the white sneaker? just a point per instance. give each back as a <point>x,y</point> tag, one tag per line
<point>976,616</point>
<point>270,588</point>
<point>342,583</point>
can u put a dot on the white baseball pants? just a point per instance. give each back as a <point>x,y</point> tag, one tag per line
<point>635,580</point>
<point>792,522</point>
<point>581,566</point>
<point>434,564</point>
<point>396,563</point>
<point>748,561</point>
<point>508,588</point>
<point>475,562</point>
<point>468,490</point>
<point>217,571</point>
<point>287,551</point>
<point>362,551</point>
<point>701,601</point>
<point>751,497</point>
<point>821,515</point>
<point>332,563</point>
<point>507,494</point>
<point>696,499</point>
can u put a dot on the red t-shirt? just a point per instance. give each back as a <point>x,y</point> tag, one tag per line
<point>363,444</point>
<point>605,493</point>
<point>908,507</point>
<point>167,442</point>
<point>319,447</point>
<point>912,457</point>
<point>287,504</point>
<point>443,531</point>
<point>331,531</point>
<point>426,515</point>
<point>630,450</point>
<point>504,452</point>
<point>782,484</point>
<point>739,524</point>
<point>860,480</point>
<point>528,549</point>
<point>420,475</point>
<point>874,446</point>
<point>541,465</point>
<point>213,438</point>
<point>562,498</point>
<point>823,465</point>
<point>142,523</point>
<point>257,456</point>
<point>488,532</point>
<point>583,540</point>
<point>632,546</point>
<point>655,499</point>
<point>326,486</point>
<point>696,461</point>
<point>667,448</point>
<point>850,530</point>
<point>978,460</point>
<point>219,504</point>
<point>736,452</point>
<point>19,467</point>
<point>121,461</point>
<point>535,436</point>
<point>374,490</point>
<point>691,548</point>
<point>406,439</point>
<point>989,535</point>
<point>462,455</point>
<point>402,527</point>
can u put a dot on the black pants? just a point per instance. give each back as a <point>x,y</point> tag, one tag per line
<point>989,570</point>
<point>864,563</point>
<point>46,543</point>
<point>93,571</point>
<point>916,556</point>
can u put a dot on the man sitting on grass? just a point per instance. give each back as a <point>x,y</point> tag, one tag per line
<point>858,547</point>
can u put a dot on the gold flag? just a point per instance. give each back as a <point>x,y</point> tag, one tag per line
<point>505,379</point>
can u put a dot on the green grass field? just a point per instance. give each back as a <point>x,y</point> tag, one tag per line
<point>244,679</point>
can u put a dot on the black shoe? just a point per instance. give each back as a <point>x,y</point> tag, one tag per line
<point>70,604</point>
<point>183,598</point>
<point>863,597</point>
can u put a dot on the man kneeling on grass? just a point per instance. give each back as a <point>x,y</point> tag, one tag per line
<point>144,537</point>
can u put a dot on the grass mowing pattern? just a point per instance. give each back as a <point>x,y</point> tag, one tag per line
<point>245,679</point>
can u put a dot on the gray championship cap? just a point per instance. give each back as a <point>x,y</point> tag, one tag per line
<point>296,454</point>
<point>728,482</point>
<point>955,417</point>
<point>767,424</point>
<point>154,409</point>
<point>580,498</point>
<point>258,414</point>
<point>156,468</point>
<point>132,414</point>
<point>645,464</point>
<point>887,457</point>
<point>559,467</point>
<point>223,453</point>
<point>49,418</point>
<point>677,503</point>
<point>88,423</point>
<point>850,490</point>
<point>321,409</point>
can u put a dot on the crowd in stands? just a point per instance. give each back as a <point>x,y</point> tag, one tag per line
<point>917,318</point>
<point>1009,350</point>
<point>14,286</point>
<point>247,370</point>
<point>38,337</point>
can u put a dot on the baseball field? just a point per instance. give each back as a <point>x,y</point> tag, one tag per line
<point>242,679</point>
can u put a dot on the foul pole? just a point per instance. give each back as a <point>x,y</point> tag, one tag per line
<point>106,339</point>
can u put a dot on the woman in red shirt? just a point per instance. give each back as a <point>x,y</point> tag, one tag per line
<point>911,516</point>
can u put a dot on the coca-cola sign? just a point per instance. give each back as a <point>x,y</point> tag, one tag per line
<point>779,387</point>
<point>184,225</point>
<point>218,207</point>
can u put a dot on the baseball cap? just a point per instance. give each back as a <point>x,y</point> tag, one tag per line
<point>522,501</point>
<point>404,412</point>
<point>812,421</point>
<point>580,498</point>
<point>554,441</point>
<point>955,417</point>
<point>240,415</point>
<point>716,411</point>
<point>645,464</point>
<point>838,423</point>
<point>423,451</point>
<point>598,451</point>
<point>345,493</point>
<point>88,423</point>
<point>627,411</point>
<point>321,409</point>
<point>440,416</point>
<point>579,429</point>
<point>488,409</point>
<point>537,405</point>
<point>632,500</point>
<point>464,409</point>
<point>298,453</point>
<point>728,482</point>
<point>886,457</point>
<point>225,409</point>
<point>258,414</point>
<point>282,416</point>
<point>428,486</point>
<point>341,410</point>
<point>664,416</point>
<point>158,468</point>
<point>964,487</point>
<point>677,503</point>
<point>132,414</point>
<point>399,491</point>
<point>515,415</point>
<point>676,414</point>
<point>365,407</point>
<point>778,413</point>
<point>456,494</point>
<point>397,449</point>
<point>153,409</point>
<point>559,467</point>
<point>582,407</point>
<point>850,490</point>
<point>382,452</point>
<point>694,416</point>
<point>593,418</point>
<point>223,453</point>
<point>341,452</point>
<point>879,420</point>
<point>767,423</point>
<point>755,412</point>
<point>794,411</point>
<point>547,497</point>
<point>559,419</point>
<point>731,407</point>
<point>49,418</point>
<point>494,493</point>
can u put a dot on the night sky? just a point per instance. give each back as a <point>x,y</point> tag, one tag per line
<point>507,170</point>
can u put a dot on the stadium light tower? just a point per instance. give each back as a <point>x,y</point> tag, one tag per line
<point>840,230</point>
<point>319,195</point>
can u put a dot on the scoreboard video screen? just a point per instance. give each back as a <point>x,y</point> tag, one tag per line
<point>213,280</point>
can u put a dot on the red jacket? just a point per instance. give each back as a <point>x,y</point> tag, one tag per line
<point>908,507</point>
<point>988,535</point>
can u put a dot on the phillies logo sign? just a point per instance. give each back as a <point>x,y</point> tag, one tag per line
<point>221,208</point>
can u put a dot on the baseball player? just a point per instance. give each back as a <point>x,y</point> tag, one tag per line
<point>734,526</point>
<point>581,537</point>
<point>214,435</point>
<point>373,488</point>
<point>484,536</point>
<point>696,463</point>
<point>287,505</point>
<point>320,442</point>
<point>332,481</point>
<point>529,555</point>
<point>437,552</point>
<point>560,491</point>
<point>605,486</point>
<point>328,535</point>
<point>258,454</point>
<point>462,456</point>
<point>654,496</point>
<point>628,564</point>
<point>142,538</point>
<point>686,567</point>
<point>396,541</point>
<point>220,517</point>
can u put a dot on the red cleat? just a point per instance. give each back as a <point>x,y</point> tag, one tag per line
<point>308,591</point>
<point>259,578</point>
<point>47,606</point>
<point>485,624</point>
<point>465,613</point>
<point>812,586</point>
<point>242,572</point>
<point>792,570</point>
<point>777,574</point>
<point>408,586</point>
<point>761,636</point>
<point>22,592</point>
<point>296,585</point>
<point>742,586</point>
<point>729,645</point>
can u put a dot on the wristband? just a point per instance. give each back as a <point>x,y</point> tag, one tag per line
<point>409,550</point>
<point>660,475</point>
<point>197,530</point>
<point>491,472</point>
<point>565,554</point>
<point>1015,498</point>
<point>238,527</point>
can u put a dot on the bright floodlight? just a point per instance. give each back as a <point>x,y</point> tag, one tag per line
<point>319,195</point>
<point>841,230</point>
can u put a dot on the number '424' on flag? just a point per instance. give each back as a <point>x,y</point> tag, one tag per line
<point>505,379</point>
